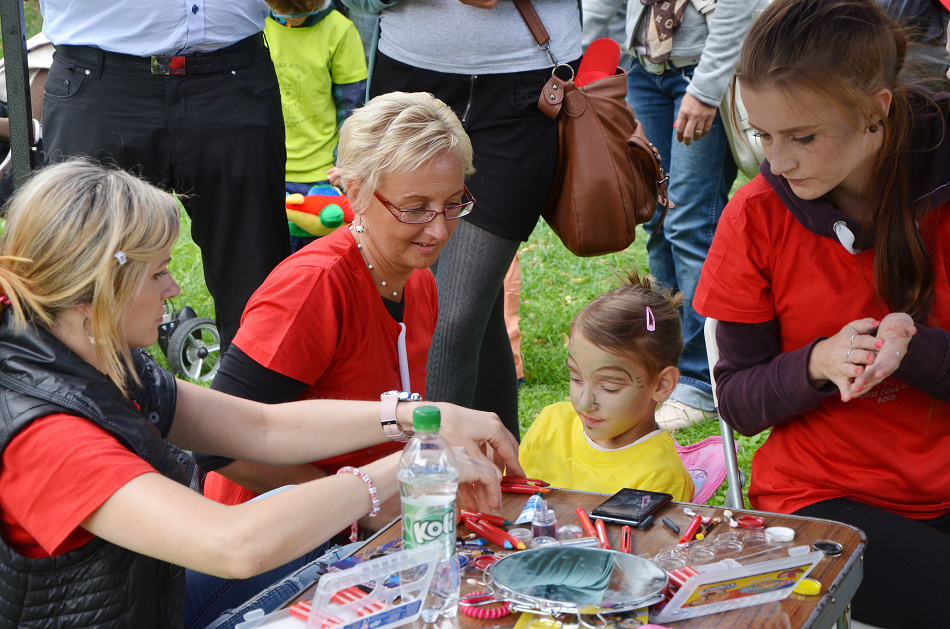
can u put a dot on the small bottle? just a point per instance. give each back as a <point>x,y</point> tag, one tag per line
<point>428,482</point>
<point>544,523</point>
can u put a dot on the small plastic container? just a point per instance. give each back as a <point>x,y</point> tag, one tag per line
<point>728,547</point>
<point>544,523</point>
<point>701,554</point>
<point>522,535</point>
<point>569,531</point>
<point>538,542</point>
<point>670,558</point>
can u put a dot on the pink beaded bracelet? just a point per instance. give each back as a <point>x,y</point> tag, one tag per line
<point>355,471</point>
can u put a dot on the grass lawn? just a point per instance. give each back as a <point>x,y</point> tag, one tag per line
<point>555,286</point>
<point>31,14</point>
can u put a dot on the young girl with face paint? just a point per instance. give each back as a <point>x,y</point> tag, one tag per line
<point>622,360</point>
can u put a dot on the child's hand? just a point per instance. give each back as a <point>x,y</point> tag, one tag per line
<point>334,176</point>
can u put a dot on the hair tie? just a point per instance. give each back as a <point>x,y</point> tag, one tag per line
<point>4,300</point>
<point>120,256</point>
<point>651,320</point>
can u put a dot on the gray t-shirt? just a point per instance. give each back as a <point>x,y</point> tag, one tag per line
<point>448,36</point>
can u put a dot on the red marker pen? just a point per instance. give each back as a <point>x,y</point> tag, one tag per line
<point>585,522</point>
<point>497,520</point>
<point>602,533</point>
<point>692,529</point>
<point>625,539</point>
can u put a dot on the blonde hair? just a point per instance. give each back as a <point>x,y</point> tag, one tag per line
<point>616,322</point>
<point>58,251</point>
<point>397,133</point>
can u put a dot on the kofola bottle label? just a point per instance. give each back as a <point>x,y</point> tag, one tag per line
<point>426,523</point>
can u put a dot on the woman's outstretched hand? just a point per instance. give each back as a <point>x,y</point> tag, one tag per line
<point>479,482</point>
<point>481,435</point>
<point>890,347</point>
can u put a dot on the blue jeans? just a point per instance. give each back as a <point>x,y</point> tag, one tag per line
<point>221,603</point>
<point>701,176</point>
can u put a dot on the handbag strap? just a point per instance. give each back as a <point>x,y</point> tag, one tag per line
<point>530,16</point>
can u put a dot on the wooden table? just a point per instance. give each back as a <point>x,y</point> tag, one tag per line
<point>839,576</point>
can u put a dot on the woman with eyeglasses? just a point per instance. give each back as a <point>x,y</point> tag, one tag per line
<point>100,512</point>
<point>351,316</point>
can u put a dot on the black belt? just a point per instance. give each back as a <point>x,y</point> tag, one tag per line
<point>234,57</point>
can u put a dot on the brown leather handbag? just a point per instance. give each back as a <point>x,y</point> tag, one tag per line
<point>609,178</point>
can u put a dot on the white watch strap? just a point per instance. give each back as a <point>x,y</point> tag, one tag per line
<point>387,413</point>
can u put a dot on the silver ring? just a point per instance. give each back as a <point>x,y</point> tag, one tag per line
<point>849,357</point>
<point>852,340</point>
<point>698,134</point>
<point>891,349</point>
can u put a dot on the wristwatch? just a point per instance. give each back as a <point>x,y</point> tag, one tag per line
<point>387,413</point>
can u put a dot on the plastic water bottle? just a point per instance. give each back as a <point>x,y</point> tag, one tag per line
<point>428,482</point>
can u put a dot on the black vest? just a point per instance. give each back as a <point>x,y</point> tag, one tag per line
<point>99,584</point>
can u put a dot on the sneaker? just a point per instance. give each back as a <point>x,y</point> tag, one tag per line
<point>672,415</point>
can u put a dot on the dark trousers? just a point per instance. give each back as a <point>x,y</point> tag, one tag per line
<point>904,565</point>
<point>216,137</point>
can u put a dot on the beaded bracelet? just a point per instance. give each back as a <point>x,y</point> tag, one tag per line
<point>355,471</point>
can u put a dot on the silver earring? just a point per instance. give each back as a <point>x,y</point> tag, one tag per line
<point>359,228</point>
<point>86,332</point>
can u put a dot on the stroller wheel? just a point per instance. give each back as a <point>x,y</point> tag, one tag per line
<point>193,349</point>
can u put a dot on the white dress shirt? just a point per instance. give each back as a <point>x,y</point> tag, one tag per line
<point>152,27</point>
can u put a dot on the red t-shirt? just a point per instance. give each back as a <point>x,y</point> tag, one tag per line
<point>888,448</point>
<point>54,474</point>
<point>319,319</point>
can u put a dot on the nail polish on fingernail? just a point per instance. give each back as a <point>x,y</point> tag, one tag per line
<point>859,388</point>
<point>875,323</point>
<point>856,370</point>
<point>879,344</point>
<point>870,356</point>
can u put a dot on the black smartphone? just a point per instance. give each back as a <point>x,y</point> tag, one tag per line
<point>630,506</point>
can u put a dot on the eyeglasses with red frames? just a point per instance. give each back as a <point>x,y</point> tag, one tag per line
<point>450,213</point>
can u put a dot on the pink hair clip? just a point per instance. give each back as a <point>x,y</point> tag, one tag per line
<point>4,300</point>
<point>651,320</point>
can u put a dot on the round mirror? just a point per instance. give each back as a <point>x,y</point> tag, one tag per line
<point>555,580</point>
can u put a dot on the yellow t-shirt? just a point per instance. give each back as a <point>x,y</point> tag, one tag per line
<point>309,61</point>
<point>556,450</point>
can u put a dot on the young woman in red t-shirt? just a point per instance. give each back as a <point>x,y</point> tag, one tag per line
<point>829,275</point>
<point>84,276</point>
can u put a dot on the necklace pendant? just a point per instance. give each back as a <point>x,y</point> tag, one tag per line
<point>359,229</point>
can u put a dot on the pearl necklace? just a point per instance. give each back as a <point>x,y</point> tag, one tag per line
<point>359,230</point>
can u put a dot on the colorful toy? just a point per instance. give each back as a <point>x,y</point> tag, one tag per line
<point>320,212</point>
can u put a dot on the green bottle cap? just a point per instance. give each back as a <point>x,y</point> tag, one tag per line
<point>426,419</point>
